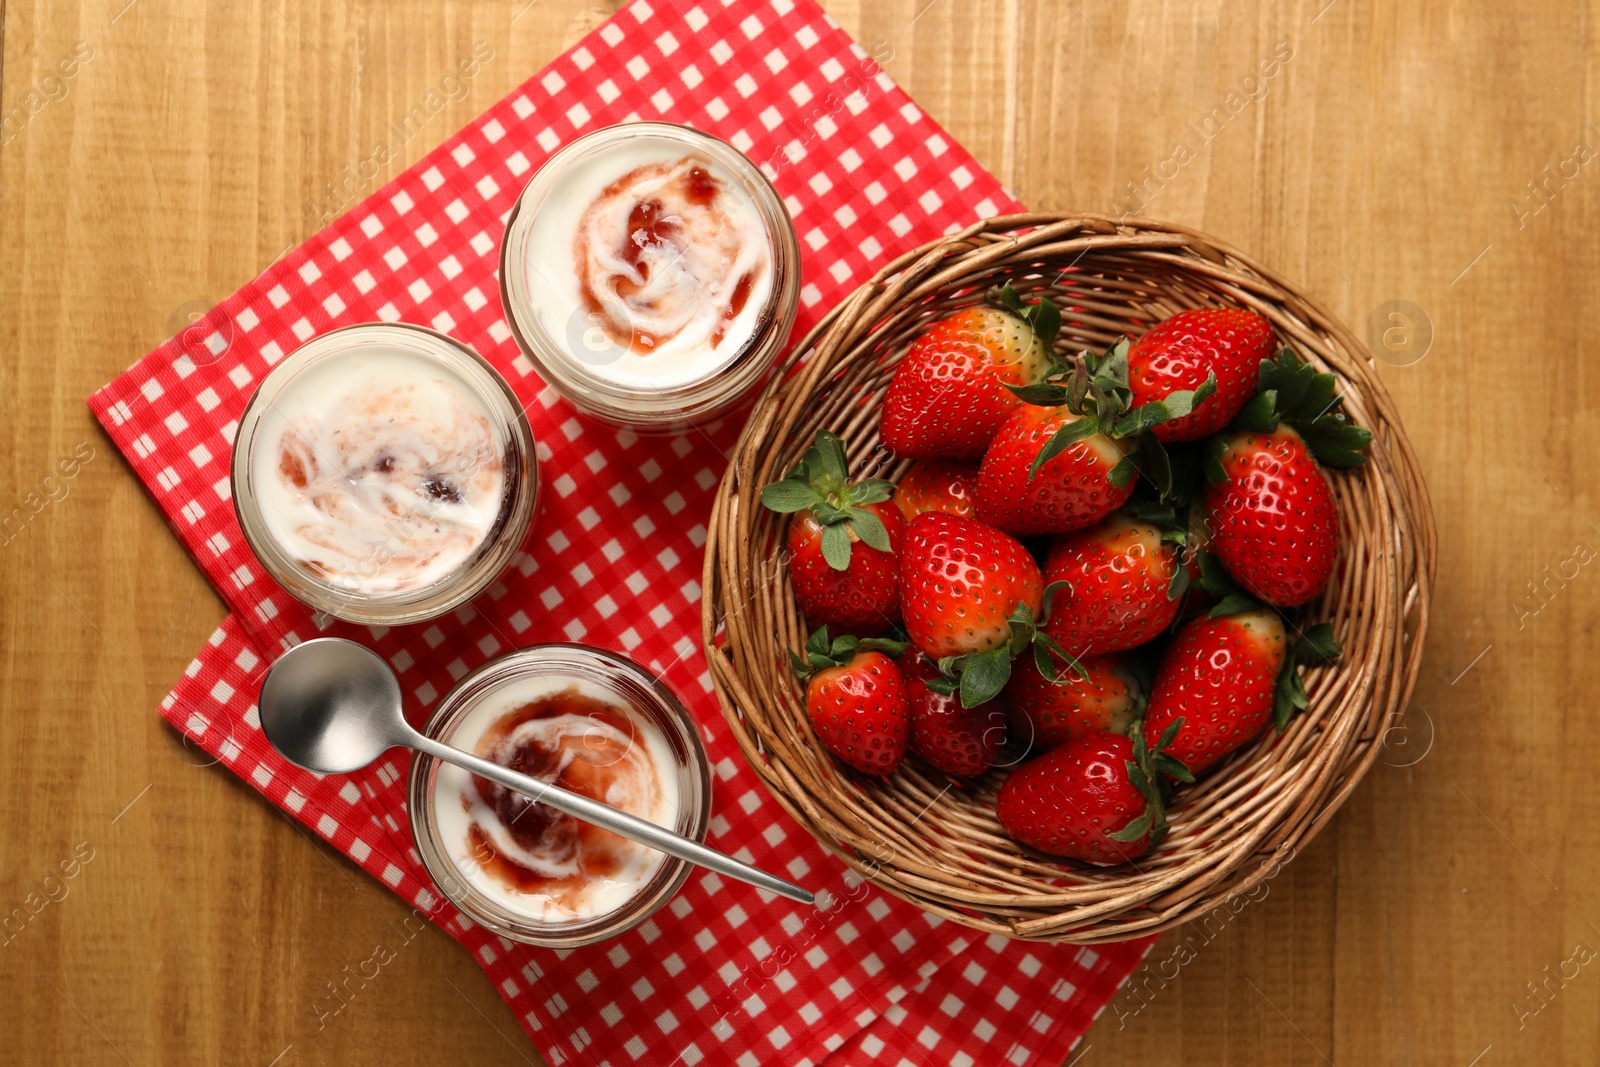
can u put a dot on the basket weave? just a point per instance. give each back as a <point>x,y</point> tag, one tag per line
<point>933,840</point>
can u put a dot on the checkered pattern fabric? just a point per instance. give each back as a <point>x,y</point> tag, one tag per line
<point>724,974</point>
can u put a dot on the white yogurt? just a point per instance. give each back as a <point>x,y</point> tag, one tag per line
<point>632,769</point>
<point>378,470</point>
<point>651,261</point>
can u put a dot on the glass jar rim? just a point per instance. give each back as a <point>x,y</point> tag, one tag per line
<point>643,693</point>
<point>470,576</point>
<point>701,399</point>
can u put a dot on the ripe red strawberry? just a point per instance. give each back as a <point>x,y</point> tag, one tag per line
<point>960,583</point>
<point>1095,798</point>
<point>1068,491</point>
<point>1119,577</point>
<point>1273,522</point>
<point>1178,353</point>
<point>1269,507</point>
<point>864,598</point>
<point>948,394</point>
<point>1220,677</point>
<point>955,739</point>
<point>946,485</point>
<point>844,541</point>
<point>1074,705</point>
<point>856,700</point>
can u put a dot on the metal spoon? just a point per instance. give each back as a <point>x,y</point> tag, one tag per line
<point>333,706</point>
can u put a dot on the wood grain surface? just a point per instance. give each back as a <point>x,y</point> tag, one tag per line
<point>1428,170</point>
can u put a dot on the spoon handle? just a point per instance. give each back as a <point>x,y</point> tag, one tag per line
<point>618,822</point>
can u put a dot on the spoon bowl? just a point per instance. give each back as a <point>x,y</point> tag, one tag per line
<point>329,706</point>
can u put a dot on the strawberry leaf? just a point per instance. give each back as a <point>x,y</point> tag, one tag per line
<point>1078,385</point>
<point>818,483</point>
<point>1214,579</point>
<point>1042,316</point>
<point>836,546</point>
<point>1233,604</point>
<point>887,645</point>
<point>1044,647</point>
<point>1161,760</point>
<point>1007,298</point>
<point>1155,464</point>
<point>1113,363</point>
<point>1123,472</point>
<point>1291,379</point>
<point>1136,829</point>
<point>1317,644</point>
<point>821,653</point>
<point>1023,628</point>
<point>941,685</point>
<point>1320,398</point>
<point>870,491</point>
<point>1211,461</point>
<point>1045,318</point>
<point>789,496</point>
<point>867,526</point>
<point>1049,597</point>
<point>844,646</point>
<point>1260,415</point>
<point>818,654</point>
<point>984,675</point>
<point>1183,401</point>
<point>1156,513</point>
<point>1170,734</point>
<point>1173,767</point>
<point>1140,419</point>
<point>1139,779</point>
<point>830,451</point>
<point>827,513</point>
<point>1179,583</point>
<point>1289,695</point>
<point>1335,442</point>
<point>1294,392</point>
<point>1041,394</point>
<point>1065,437</point>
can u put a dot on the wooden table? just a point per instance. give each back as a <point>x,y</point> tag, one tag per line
<point>1432,162</point>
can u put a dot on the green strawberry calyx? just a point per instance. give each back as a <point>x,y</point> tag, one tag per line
<point>979,676</point>
<point>1232,599</point>
<point>1042,316</point>
<point>820,483</point>
<point>1315,645</point>
<point>1095,388</point>
<point>822,653</point>
<point>1291,391</point>
<point>1149,772</point>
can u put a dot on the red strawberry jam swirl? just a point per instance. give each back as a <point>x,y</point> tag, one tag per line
<point>666,254</point>
<point>581,744</point>
<point>398,486</point>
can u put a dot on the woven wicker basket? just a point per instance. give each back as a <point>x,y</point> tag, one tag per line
<point>934,841</point>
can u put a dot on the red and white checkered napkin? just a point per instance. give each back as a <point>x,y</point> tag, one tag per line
<point>724,974</point>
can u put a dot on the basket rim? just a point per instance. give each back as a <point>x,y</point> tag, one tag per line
<point>1273,813</point>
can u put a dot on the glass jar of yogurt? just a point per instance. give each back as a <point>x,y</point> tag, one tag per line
<point>384,473</point>
<point>593,722</point>
<point>652,275</point>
